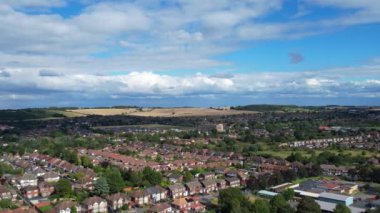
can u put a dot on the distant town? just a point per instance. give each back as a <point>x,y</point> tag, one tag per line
<point>256,158</point>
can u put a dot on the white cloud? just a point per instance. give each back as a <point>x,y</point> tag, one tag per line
<point>111,19</point>
<point>144,35</point>
<point>323,83</point>
<point>34,3</point>
<point>367,11</point>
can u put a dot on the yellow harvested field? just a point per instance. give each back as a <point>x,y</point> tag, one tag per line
<point>161,112</point>
<point>103,111</point>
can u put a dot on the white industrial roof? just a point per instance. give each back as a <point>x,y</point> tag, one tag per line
<point>265,192</point>
<point>333,196</point>
<point>327,206</point>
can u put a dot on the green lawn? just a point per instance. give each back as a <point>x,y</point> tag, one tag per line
<point>300,180</point>
<point>148,126</point>
<point>45,208</point>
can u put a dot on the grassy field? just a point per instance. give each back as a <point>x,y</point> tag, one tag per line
<point>104,112</point>
<point>160,112</point>
<point>147,126</point>
<point>28,114</point>
<point>67,113</point>
<point>300,180</point>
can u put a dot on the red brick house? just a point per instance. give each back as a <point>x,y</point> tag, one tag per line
<point>177,191</point>
<point>45,189</point>
<point>209,185</point>
<point>118,200</point>
<point>233,182</point>
<point>30,192</point>
<point>194,187</point>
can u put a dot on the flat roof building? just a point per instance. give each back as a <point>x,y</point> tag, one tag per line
<point>329,207</point>
<point>266,194</point>
<point>336,198</point>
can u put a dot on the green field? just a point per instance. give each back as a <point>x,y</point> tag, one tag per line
<point>28,114</point>
<point>147,126</point>
<point>300,180</point>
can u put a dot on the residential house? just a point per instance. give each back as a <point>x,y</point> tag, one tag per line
<point>65,207</point>
<point>5,193</point>
<point>194,187</point>
<point>50,177</point>
<point>209,185</point>
<point>38,171</point>
<point>27,180</point>
<point>177,191</point>
<point>118,200</point>
<point>175,178</point>
<point>180,205</point>
<point>189,204</point>
<point>221,183</point>
<point>332,170</point>
<point>220,170</point>
<point>231,174</point>
<point>46,189</point>
<point>233,182</point>
<point>243,177</point>
<point>195,205</point>
<point>84,183</point>
<point>161,208</point>
<point>207,176</point>
<point>30,191</point>
<point>94,204</point>
<point>140,197</point>
<point>157,193</point>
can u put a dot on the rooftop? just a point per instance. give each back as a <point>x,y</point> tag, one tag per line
<point>334,196</point>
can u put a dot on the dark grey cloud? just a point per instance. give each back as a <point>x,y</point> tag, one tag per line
<point>295,58</point>
<point>49,73</point>
<point>4,74</point>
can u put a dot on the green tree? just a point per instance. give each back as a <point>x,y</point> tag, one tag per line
<point>114,180</point>
<point>158,158</point>
<point>79,175</point>
<point>341,208</point>
<point>101,187</point>
<point>73,209</point>
<point>7,204</point>
<point>80,196</point>
<point>133,178</point>
<point>86,162</point>
<point>125,207</point>
<point>151,176</point>
<point>71,156</point>
<point>261,206</point>
<point>63,188</point>
<point>279,205</point>
<point>308,205</point>
<point>232,200</point>
<point>21,151</point>
<point>187,176</point>
<point>288,194</point>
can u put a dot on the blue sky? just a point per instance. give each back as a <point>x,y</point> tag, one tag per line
<point>189,53</point>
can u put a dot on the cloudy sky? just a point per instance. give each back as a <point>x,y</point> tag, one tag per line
<point>189,52</point>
